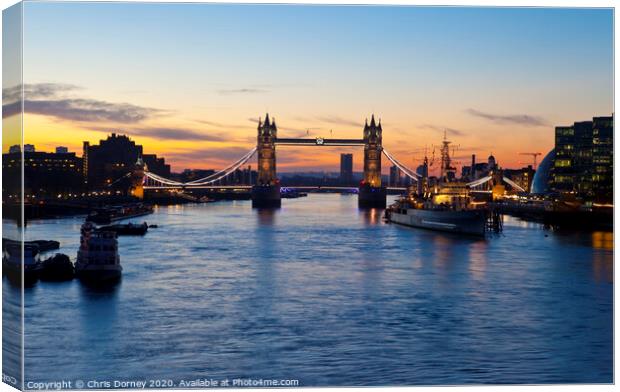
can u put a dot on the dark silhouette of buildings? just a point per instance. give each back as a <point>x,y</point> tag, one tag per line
<point>46,174</point>
<point>156,165</point>
<point>346,169</point>
<point>478,169</point>
<point>522,177</point>
<point>105,164</point>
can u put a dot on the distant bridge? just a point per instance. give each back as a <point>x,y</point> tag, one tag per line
<point>249,187</point>
<point>267,191</point>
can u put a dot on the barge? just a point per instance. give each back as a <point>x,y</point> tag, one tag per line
<point>108,215</point>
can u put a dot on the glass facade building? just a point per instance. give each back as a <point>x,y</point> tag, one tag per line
<point>584,159</point>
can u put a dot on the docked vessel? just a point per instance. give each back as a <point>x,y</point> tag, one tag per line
<point>43,245</point>
<point>127,228</point>
<point>448,208</point>
<point>57,268</point>
<point>446,205</point>
<point>111,214</point>
<point>97,258</point>
<point>12,263</point>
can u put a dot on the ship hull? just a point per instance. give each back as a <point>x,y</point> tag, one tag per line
<point>463,222</point>
<point>98,274</point>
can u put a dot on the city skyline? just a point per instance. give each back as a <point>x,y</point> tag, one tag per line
<point>498,80</point>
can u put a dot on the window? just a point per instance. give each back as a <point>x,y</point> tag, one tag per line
<point>562,163</point>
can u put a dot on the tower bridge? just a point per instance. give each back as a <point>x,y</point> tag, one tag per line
<point>266,192</point>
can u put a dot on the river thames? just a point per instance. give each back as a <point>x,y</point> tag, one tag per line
<point>327,294</point>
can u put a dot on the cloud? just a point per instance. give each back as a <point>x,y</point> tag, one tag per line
<point>90,110</point>
<point>36,90</point>
<point>11,109</point>
<point>48,99</point>
<point>339,121</point>
<point>166,133</point>
<point>242,91</point>
<point>222,125</point>
<point>451,131</point>
<point>520,119</point>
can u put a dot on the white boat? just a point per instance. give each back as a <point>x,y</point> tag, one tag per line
<point>97,259</point>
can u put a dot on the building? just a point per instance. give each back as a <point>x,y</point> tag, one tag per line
<point>105,164</point>
<point>46,174</point>
<point>422,170</point>
<point>346,169</point>
<point>480,169</point>
<point>395,176</point>
<point>603,158</point>
<point>542,177</point>
<point>522,177</point>
<point>109,161</point>
<point>583,161</point>
<point>156,165</point>
<point>62,150</point>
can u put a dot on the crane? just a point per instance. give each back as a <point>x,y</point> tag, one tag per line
<point>534,156</point>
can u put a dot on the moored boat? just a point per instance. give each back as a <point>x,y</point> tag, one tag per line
<point>448,218</point>
<point>98,261</point>
<point>43,245</point>
<point>13,267</point>
<point>447,205</point>
<point>57,268</point>
<point>111,214</point>
<point>126,229</point>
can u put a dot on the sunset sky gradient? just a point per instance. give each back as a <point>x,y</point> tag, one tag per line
<point>188,81</point>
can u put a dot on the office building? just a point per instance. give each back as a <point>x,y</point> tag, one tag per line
<point>346,169</point>
<point>395,176</point>
<point>522,177</point>
<point>583,162</point>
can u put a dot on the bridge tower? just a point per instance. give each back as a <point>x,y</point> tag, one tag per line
<point>266,193</point>
<point>371,191</point>
<point>137,179</point>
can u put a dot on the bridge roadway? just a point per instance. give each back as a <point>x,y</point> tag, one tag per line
<point>319,141</point>
<point>249,187</point>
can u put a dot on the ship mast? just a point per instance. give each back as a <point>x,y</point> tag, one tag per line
<point>446,167</point>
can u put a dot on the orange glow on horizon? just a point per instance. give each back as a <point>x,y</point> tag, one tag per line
<point>47,133</point>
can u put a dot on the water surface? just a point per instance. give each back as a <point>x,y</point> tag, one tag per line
<point>322,292</point>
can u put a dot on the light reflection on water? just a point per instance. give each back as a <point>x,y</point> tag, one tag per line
<point>325,293</point>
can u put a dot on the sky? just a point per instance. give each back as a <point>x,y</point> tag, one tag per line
<point>189,81</point>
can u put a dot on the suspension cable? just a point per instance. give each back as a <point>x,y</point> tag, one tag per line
<point>224,172</point>
<point>235,164</point>
<point>408,172</point>
<point>513,184</point>
<point>205,180</point>
<point>479,181</point>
